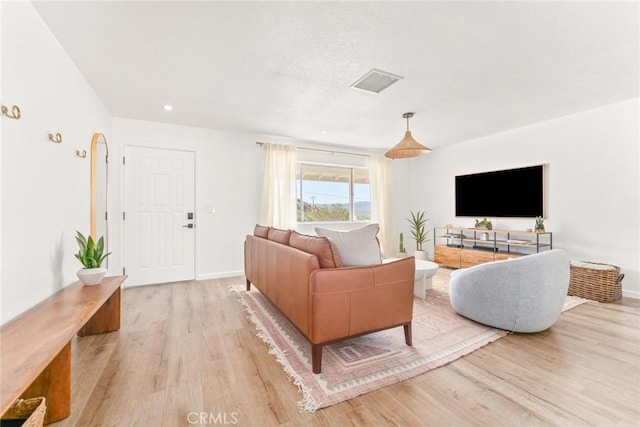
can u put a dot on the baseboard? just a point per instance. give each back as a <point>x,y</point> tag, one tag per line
<point>220,275</point>
<point>631,294</point>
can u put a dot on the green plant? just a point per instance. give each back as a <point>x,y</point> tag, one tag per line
<point>402,250</point>
<point>485,223</point>
<point>419,233</point>
<point>539,220</point>
<point>90,253</point>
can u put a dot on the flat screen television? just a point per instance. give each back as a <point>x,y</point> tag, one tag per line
<point>509,193</point>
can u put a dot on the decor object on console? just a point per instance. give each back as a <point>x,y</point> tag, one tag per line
<point>408,146</point>
<point>91,255</point>
<point>485,224</point>
<point>539,225</point>
<point>419,233</point>
<point>303,276</point>
<point>519,295</point>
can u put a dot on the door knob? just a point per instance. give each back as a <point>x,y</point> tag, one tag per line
<point>188,226</point>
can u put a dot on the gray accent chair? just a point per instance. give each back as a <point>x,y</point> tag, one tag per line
<point>524,294</point>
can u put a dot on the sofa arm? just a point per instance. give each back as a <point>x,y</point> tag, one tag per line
<point>354,300</point>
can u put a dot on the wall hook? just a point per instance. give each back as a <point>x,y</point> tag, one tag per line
<point>57,139</point>
<point>15,112</point>
<point>82,154</point>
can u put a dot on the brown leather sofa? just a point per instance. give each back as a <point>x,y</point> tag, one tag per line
<point>304,278</point>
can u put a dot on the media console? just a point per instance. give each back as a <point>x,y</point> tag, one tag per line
<point>465,247</point>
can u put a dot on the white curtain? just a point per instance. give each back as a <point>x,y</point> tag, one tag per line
<point>279,187</point>
<point>381,206</point>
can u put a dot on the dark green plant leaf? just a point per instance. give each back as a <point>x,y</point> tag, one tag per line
<point>419,233</point>
<point>90,253</point>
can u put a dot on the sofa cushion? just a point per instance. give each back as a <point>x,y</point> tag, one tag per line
<point>280,236</point>
<point>327,253</point>
<point>356,247</point>
<point>261,231</point>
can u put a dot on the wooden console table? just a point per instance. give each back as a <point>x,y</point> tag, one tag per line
<point>35,353</point>
<point>459,247</point>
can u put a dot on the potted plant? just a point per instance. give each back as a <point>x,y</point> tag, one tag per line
<point>485,224</point>
<point>91,255</point>
<point>402,250</point>
<point>419,232</point>
<point>539,225</point>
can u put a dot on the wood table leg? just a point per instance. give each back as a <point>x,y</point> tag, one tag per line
<point>106,319</point>
<point>54,384</point>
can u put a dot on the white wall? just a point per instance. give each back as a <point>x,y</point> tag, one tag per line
<point>45,187</point>
<point>229,169</point>
<point>404,203</point>
<point>1,180</point>
<point>593,182</point>
<point>229,175</point>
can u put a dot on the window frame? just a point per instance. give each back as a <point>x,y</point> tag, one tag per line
<point>300,191</point>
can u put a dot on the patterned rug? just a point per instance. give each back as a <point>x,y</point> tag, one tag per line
<point>360,365</point>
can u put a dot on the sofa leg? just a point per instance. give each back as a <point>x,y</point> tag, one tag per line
<point>316,358</point>
<point>248,285</point>
<point>407,333</point>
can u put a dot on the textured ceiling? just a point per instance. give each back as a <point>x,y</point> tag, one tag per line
<point>284,68</point>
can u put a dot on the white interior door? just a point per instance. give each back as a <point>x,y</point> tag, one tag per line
<point>159,221</point>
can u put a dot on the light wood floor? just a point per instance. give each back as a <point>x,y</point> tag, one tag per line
<point>187,348</point>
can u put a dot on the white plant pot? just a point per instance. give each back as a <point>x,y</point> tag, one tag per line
<point>421,255</point>
<point>91,276</point>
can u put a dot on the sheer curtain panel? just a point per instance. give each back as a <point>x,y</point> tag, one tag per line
<point>278,207</point>
<point>381,206</point>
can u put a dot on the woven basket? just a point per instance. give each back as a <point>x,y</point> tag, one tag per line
<point>595,281</point>
<point>26,413</point>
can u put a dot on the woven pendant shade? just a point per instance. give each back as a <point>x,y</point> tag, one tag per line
<point>408,147</point>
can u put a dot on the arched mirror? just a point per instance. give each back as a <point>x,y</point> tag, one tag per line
<point>99,186</point>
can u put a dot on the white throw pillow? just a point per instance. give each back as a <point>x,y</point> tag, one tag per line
<point>356,247</point>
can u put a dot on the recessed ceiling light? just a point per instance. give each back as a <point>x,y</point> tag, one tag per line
<point>167,107</point>
<point>324,132</point>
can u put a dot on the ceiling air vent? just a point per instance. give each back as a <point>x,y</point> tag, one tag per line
<point>375,81</point>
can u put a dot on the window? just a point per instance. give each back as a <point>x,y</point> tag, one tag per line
<point>332,193</point>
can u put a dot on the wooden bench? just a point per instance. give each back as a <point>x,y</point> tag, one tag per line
<point>35,356</point>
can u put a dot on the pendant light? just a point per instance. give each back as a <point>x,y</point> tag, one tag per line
<point>408,147</point>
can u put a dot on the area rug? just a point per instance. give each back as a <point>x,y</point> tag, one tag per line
<point>367,363</point>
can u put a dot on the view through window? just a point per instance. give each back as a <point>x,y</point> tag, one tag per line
<point>332,193</point>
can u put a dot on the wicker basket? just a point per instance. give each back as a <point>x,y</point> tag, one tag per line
<point>26,413</point>
<point>595,281</point>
